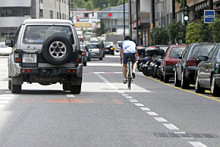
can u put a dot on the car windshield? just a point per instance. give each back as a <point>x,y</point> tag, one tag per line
<point>201,50</point>
<point>2,45</point>
<point>91,46</point>
<point>176,52</point>
<point>37,34</point>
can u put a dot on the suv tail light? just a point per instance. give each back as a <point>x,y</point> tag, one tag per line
<point>17,58</point>
<point>191,62</point>
<point>100,49</point>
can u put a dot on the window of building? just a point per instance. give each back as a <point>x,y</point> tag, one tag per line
<point>6,12</point>
<point>41,13</point>
<point>86,14</point>
<point>51,14</point>
<point>27,11</point>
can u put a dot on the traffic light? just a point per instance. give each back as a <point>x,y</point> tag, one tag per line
<point>186,13</point>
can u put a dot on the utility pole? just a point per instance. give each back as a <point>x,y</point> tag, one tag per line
<point>69,10</point>
<point>211,4</point>
<point>124,16</point>
<point>173,10</point>
<point>130,18</point>
<point>152,13</point>
<point>137,19</point>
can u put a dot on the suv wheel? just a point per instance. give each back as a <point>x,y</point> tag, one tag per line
<point>66,86</point>
<point>9,83</point>
<point>75,89</point>
<point>166,78</point>
<point>15,88</point>
<point>57,50</point>
<point>184,82</point>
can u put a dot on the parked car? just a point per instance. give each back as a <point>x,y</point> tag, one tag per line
<point>186,66</point>
<point>95,50</point>
<point>169,61</point>
<point>86,55</point>
<point>45,51</point>
<point>208,72</point>
<point>4,50</point>
<point>118,44</point>
<point>110,48</point>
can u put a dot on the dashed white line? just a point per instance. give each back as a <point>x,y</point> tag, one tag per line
<point>124,94</point>
<point>180,132</point>
<point>152,113</point>
<point>160,119</point>
<point>129,97</point>
<point>145,109</point>
<point>139,104</point>
<point>171,127</point>
<point>133,100</point>
<point>70,95</point>
<point>197,144</point>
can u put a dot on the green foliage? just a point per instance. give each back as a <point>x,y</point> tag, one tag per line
<point>89,5</point>
<point>159,36</point>
<point>204,31</point>
<point>78,4</point>
<point>215,29</point>
<point>100,31</point>
<point>177,32</point>
<point>192,32</point>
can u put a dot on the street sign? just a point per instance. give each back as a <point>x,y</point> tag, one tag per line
<point>209,16</point>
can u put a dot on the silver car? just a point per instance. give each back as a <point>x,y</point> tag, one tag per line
<point>95,50</point>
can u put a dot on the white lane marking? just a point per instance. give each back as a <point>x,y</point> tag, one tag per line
<point>133,100</point>
<point>2,106</point>
<point>152,113</point>
<point>105,64</point>
<point>8,95</point>
<point>197,144</point>
<point>180,132</point>
<point>145,109</point>
<point>129,97</point>
<point>160,119</point>
<point>4,102</point>
<point>70,95</point>
<point>139,104</point>
<point>171,127</point>
<point>119,91</point>
<point>124,94</point>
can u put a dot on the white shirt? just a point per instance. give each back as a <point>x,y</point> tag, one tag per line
<point>128,46</point>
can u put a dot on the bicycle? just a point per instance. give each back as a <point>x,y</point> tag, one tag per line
<point>129,74</point>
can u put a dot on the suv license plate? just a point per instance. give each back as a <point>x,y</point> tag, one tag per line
<point>29,58</point>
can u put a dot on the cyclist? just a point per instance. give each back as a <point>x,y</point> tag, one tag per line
<point>128,49</point>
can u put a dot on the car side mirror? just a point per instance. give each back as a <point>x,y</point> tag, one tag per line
<point>203,58</point>
<point>9,43</point>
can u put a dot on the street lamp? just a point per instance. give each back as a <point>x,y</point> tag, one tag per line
<point>124,16</point>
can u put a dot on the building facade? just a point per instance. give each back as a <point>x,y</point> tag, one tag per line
<point>114,21</point>
<point>14,12</point>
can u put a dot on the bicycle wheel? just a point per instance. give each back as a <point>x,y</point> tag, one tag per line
<point>129,75</point>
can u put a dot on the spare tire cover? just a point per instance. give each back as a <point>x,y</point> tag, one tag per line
<point>57,50</point>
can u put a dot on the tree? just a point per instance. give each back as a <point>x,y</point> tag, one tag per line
<point>78,3</point>
<point>192,33</point>
<point>177,32</point>
<point>159,36</point>
<point>89,5</point>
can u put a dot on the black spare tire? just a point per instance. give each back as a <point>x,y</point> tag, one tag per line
<point>57,50</point>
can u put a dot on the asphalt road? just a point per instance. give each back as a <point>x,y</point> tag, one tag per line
<point>106,114</point>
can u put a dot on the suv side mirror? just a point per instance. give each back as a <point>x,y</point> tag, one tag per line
<point>9,43</point>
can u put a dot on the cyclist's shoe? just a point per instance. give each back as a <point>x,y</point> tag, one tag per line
<point>133,75</point>
<point>124,81</point>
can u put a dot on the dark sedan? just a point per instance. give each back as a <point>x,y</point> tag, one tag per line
<point>186,66</point>
<point>208,72</point>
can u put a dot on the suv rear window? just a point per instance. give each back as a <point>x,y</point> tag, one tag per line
<point>176,52</point>
<point>201,50</point>
<point>37,34</point>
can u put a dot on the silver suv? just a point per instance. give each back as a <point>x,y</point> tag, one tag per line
<point>46,52</point>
